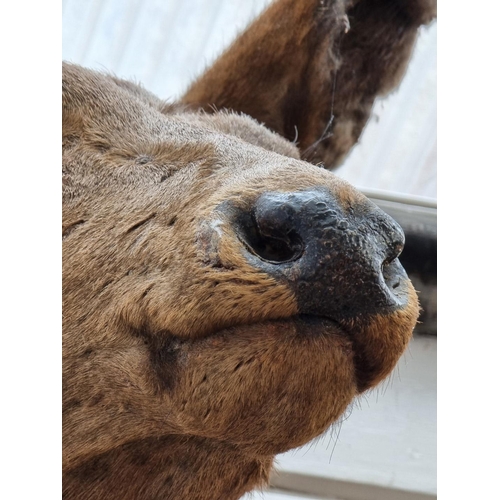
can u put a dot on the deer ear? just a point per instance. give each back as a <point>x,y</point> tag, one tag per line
<point>311,69</point>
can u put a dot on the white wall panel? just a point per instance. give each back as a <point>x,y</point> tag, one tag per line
<point>397,150</point>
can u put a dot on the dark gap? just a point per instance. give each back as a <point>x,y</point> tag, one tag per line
<point>217,264</point>
<point>140,223</point>
<point>71,405</point>
<point>92,470</point>
<point>143,159</point>
<point>95,400</point>
<point>69,229</point>
<point>147,291</point>
<point>106,285</point>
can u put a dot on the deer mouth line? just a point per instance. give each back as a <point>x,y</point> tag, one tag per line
<point>344,334</point>
<point>301,336</point>
<point>310,324</point>
<point>306,325</point>
<point>306,328</point>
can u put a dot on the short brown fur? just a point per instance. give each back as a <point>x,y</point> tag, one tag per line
<point>184,371</point>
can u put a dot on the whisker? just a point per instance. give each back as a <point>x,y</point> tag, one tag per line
<point>327,134</point>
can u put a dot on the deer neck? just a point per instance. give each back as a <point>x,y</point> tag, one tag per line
<point>173,467</point>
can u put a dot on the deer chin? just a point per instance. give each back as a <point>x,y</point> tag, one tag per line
<point>265,387</point>
<point>284,380</point>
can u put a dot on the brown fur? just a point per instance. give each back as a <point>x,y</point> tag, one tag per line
<point>185,369</point>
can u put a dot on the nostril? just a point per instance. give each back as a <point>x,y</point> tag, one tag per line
<point>274,246</point>
<point>393,253</point>
<point>390,266</point>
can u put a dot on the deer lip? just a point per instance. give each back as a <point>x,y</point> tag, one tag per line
<point>311,325</point>
<point>297,325</point>
<point>303,324</point>
<point>307,324</point>
<point>319,323</point>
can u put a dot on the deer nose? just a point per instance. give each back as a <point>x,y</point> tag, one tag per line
<point>340,260</point>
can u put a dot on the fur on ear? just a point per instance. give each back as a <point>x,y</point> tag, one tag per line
<point>311,69</point>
